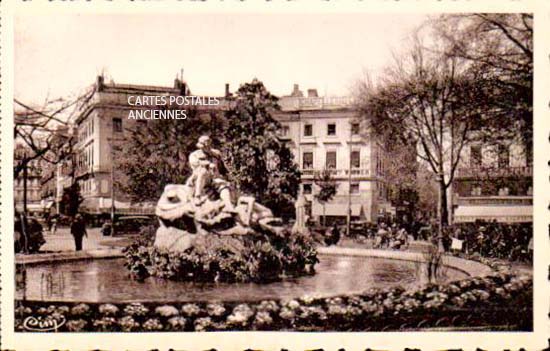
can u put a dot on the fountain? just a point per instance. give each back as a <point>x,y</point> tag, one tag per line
<point>219,263</point>
<point>203,236</point>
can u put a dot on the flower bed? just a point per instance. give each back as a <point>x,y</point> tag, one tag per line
<point>501,301</point>
<point>263,257</point>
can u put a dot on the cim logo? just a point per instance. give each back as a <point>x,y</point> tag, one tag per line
<point>42,324</point>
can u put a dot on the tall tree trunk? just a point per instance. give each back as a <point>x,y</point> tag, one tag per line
<point>324,217</point>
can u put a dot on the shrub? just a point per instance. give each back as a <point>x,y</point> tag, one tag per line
<point>260,258</point>
<point>494,240</point>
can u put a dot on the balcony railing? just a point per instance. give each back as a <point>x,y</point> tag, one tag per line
<point>88,169</point>
<point>494,172</point>
<point>494,200</point>
<point>355,172</point>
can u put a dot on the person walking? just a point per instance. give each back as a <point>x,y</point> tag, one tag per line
<point>53,223</point>
<point>78,230</point>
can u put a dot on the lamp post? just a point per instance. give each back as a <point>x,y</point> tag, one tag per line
<point>348,219</point>
<point>440,212</point>
<point>25,176</point>
<point>112,189</point>
<point>111,140</point>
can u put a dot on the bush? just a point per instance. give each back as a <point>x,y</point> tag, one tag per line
<point>494,240</point>
<point>34,239</point>
<point>262,257</point>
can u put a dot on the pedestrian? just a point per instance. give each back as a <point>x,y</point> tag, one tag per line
<point>78,230</point>
<point>106,229</point>
<point>53,224</point>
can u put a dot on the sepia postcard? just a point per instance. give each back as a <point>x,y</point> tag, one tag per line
<point>274,175</point>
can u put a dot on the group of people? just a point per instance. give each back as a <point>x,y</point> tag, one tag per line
<point>389,236</point>
<point>29,233</point>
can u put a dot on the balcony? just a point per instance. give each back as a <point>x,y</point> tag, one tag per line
<point>314,103</point>
<point>494,201</point>
<point>493,172</point>
<point>80,171</point>
<point>337,173</point>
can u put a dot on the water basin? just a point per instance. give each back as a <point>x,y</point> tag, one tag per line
<point>107,280</point>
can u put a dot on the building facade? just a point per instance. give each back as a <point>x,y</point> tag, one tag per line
<point>494,183</point>
<point>33,199</point>
<point>101,130</point>
<point>56,177</point>
<point>325,133</point>
<point>322,132</point>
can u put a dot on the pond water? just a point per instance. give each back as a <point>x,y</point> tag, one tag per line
<point>107,280</point>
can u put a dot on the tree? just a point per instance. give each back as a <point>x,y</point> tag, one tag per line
<point>327,189</point>
<point>155,153</point>
<point>37,128</point>
<point>498,49</point>
<point>259,163</point>
<point>428,99</point>
<point>71,200</point>
<point>426,187</point>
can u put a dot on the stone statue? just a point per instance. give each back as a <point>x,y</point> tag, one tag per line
<point>203,205</point>
<point>206,163</point>
<point>300,208</point>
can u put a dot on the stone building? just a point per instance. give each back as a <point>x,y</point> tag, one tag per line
<point>494,182</point>
<point>321,131</point>
<point>325,133</point>
<point>57,176</point>
<point>101,129</point>
<point>34,204</point>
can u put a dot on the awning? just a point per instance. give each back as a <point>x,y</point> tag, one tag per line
<point>335,209</point>
<point>95,205</point>
<point>504,214</point>
<point>30,207</point>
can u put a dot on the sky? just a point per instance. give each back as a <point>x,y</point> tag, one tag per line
<point>59,56</point>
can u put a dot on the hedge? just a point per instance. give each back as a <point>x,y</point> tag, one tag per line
<point>501,301</point>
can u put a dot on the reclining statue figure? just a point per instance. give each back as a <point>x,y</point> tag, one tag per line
<point>204,205</point>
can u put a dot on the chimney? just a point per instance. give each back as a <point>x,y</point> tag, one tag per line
<point>100,81</point>
<point>227,92</point>
<point>296,91</point>
<point>181,86</point>
<point>312,93</point>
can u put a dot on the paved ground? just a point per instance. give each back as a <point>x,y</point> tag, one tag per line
<point>62,240</point>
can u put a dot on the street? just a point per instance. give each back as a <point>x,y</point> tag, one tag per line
<point>62,240</point>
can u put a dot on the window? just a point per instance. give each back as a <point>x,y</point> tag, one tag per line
<point>307,189</point>
<point>475,156</point>
<point>307,160</point>
<point>331,129</point>
<point>117,124</point>
<point>354,188</point>
<point>308,130</point>
<point>503,156</point>
<point>355,128</point>
<point>285,130</point>
<point>330,162</point>
<point>355,159</point>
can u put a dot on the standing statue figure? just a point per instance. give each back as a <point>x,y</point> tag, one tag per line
<point>300,208</point>
<point>207,166</point>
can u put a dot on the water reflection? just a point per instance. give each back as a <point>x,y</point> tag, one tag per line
<point>107,280</point>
